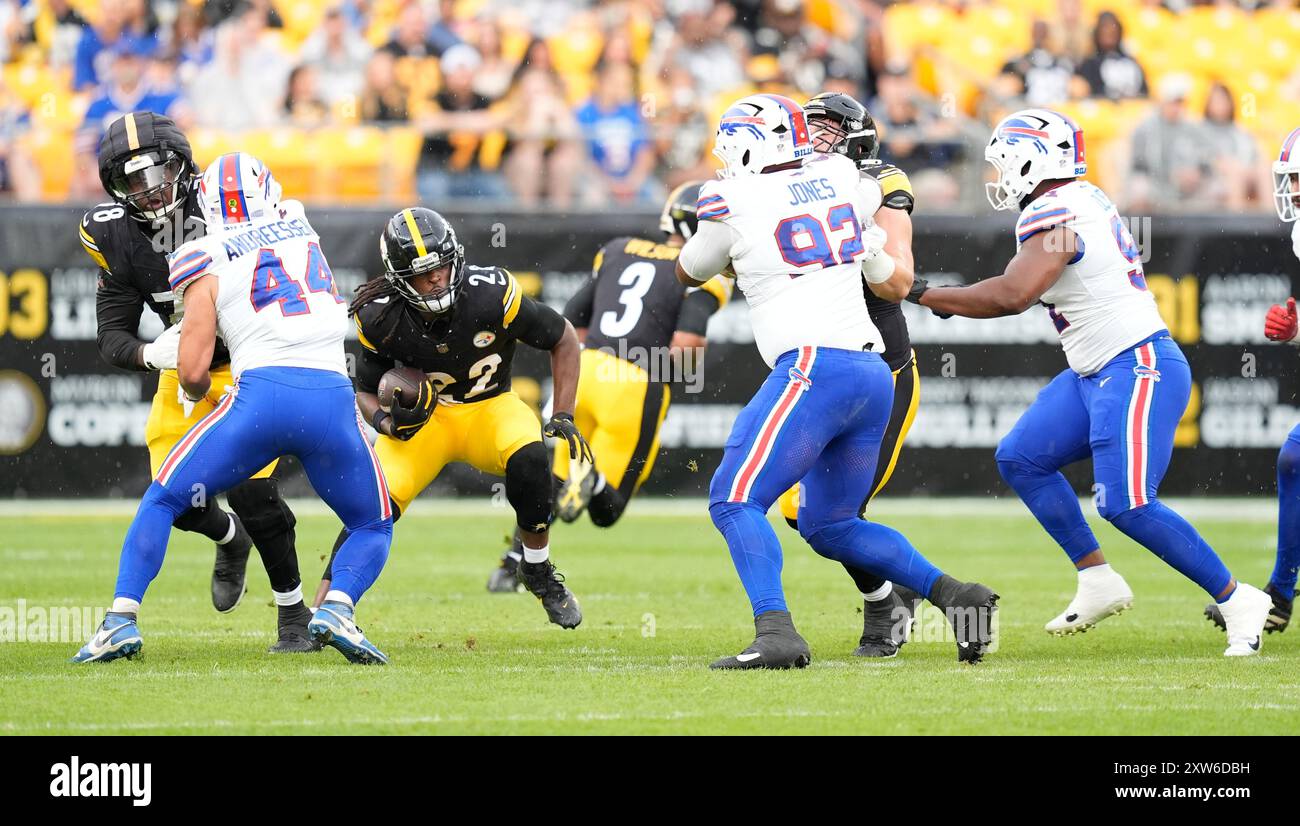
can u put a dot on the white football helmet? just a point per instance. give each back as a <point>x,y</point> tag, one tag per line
<point>1029,147</point>
<point>761,131</point>
<point>1285,168</point>
<point>238,188</point>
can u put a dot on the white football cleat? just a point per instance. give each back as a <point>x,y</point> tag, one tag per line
<point>1245,613</point>
<point>1102,593</point>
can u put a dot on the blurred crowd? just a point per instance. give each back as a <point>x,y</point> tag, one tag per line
<point>572,104</point>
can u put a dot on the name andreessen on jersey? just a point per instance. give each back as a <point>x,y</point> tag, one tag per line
<point>265,235</point>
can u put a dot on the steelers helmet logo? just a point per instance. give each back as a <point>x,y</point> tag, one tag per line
<point>22,412</point>
<point>484,337</point>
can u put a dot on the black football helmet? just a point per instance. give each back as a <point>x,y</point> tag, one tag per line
<point>679,215</point>
<point>417,240</point>
<point>840,124</point>
<point>146,165</point>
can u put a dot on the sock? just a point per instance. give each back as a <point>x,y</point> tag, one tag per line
<point>210,521</point>
<point>230,531</point>
<point>295,614</point>
<point>1222,600</point>
<point>1094,572</point>
<point>534,556</point>
<point>280,558</point>
<point>338,596</point>
<point>880,593</point>
<point>1053,503</point>
<point>287,598</point>
<point>360,559</point>
<point>1170,537</point>
<point>146,541</point>
<point>876,548</point>
<point>606,506</point>
<point>125,605</point>
<point>755,551</point>
<point>865,581</point>
<point>1288,515</point>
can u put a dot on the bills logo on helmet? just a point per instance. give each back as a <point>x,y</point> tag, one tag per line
<point>1017,130</point>
<point>736,118</point>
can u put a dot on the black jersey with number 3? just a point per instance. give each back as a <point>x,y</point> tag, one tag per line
<point>637,298</point>
<point>466,352</point>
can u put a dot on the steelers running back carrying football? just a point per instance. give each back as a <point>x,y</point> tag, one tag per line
<point>146,166</point>
<point>459,325</point>
<point>639,326</point>
<point>837,123</point>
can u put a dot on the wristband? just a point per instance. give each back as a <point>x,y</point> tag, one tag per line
<point>377,419</point>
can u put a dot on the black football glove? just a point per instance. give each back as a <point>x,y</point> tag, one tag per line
<point>561,426</point>
<point>919,286</point>
<point>408,419</point>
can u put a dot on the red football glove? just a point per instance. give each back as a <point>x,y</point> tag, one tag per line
<point>1280,324</point>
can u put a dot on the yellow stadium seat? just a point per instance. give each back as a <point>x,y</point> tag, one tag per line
<point>52,152</point>
<point>1099,119</point>
<point>909,25</point>
<point>59,108</point>
<point>292,155</point>
<point>576,50</point>
<point>403,154</point>
<point>352,162</point>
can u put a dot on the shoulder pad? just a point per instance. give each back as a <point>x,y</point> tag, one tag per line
<point>894,185</point>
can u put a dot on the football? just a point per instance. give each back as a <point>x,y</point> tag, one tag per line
<point>405,379</point>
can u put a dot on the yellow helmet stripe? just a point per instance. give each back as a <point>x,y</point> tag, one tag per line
<point>415,232</point>
<point>132,138</point>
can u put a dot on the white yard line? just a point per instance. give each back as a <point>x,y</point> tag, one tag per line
<point>1254,509</point>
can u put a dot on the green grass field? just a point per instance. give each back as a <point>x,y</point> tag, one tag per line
<point>661,601</point>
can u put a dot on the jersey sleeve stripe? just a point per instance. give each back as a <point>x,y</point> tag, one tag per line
<point>187,259</point>
<point>86,240</point>
<point>714,214</point>
<point>707,200</point>
<point>1036,217</point>
<point>1031,229</point>
<point>361,336</point>
<point>92,250</point>
<point>513,299</point>
<point>181,277</point>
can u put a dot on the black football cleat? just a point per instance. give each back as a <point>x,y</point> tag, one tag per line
<point>971,609</point>
<point>776,645</point>
<point>575,494</point>
<point>1279,616</point>
<point>887,623</point>
<point>505,577</point>
<point>228,572</point>
<point>544,582</point>
<point>294,638</point>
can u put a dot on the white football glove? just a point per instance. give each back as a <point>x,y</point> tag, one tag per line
<point>162,352</point>
<point>187,404</point>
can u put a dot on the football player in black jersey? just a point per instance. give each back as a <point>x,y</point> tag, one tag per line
<point>459,324</point>
<point>839,123</point>
<point>146,166</point>
<point>639,326</point>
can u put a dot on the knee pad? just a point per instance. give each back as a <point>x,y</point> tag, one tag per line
<point>529,488</point>
<point>258,505</point>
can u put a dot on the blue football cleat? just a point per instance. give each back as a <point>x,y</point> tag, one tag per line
<point>332,625</point>
<point>117,636</point>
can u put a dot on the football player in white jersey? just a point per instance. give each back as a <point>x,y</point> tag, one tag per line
<point>795,230</point>
<point>1281,324</point>
<point>259,279</point>
<point>1124,392</point>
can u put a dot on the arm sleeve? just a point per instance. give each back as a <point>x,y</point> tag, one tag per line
<point>370,369</point>
<point>117,314</point>
<point>708,251</point>
<point>697,308</point>
<point>578,308</point>
<point>537,325</point>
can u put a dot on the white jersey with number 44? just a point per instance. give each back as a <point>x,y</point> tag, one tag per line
<point>277,305</point>
<point>797,250</point>
<point>1100,304</point>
